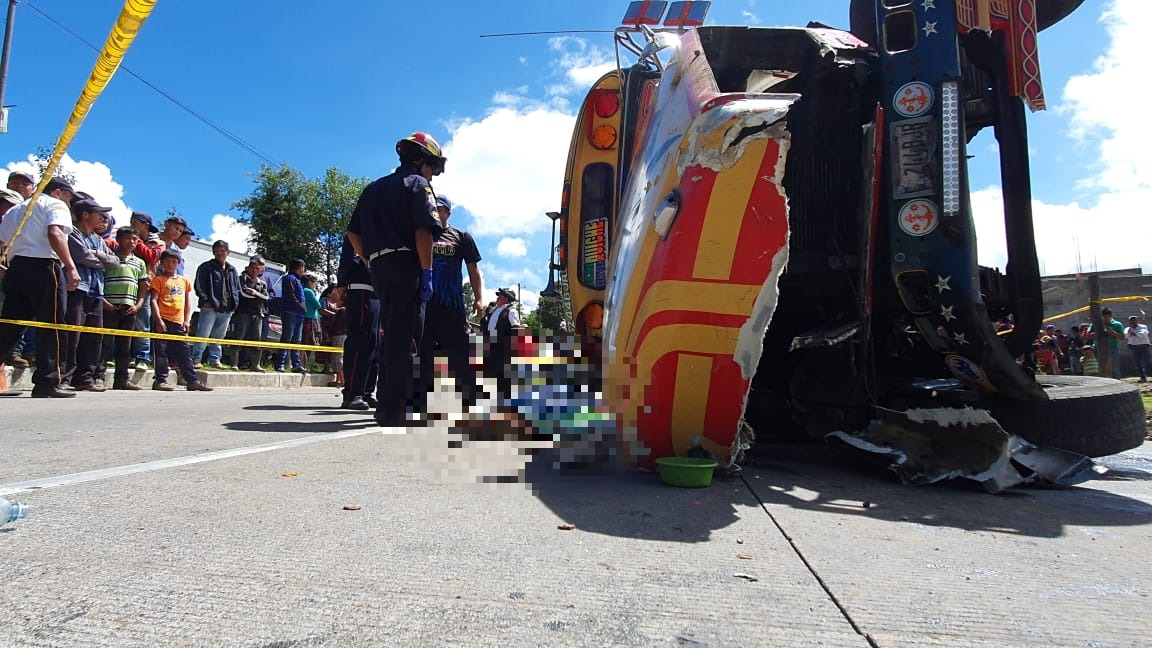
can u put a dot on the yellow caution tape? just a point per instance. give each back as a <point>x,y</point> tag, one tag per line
<point>127,26</point>
<point>1130,298</point>
<point>167,336</point>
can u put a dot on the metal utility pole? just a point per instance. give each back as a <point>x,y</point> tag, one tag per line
<point>4,63</point>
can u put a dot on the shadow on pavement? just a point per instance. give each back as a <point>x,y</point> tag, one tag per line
<point>313,427</point>
<point>790,476</point>
<point>297,408</point>
<point>635,504</point>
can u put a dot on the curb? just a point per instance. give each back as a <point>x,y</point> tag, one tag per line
<point>21,379</point>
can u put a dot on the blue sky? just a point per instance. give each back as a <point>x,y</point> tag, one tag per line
<point>335,84</point>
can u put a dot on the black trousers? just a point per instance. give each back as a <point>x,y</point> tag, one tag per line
<point>246,326</point>
<point>498,355</point>
<point>35,291</point>
<point>396,278</point>
<point>361,364</point>
<point>81,351</point>
<point>122,344</point>
<point>446,331</point>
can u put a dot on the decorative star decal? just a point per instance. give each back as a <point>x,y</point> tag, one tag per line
<point>929,28</point>
<point>928,4</point>
<point>946,311</point>
<point>942,283</point>
<point>960,338</point>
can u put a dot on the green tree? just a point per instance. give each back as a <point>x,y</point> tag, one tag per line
<point>469,299</point>
<point>41,158</point>
<point>532,321</point>
<point>335,198</point>
<point>551,313</point>
<point>282,214</point>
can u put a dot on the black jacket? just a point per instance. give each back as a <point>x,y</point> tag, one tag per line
<point>216,286</point>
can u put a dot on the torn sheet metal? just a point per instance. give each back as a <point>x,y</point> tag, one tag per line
<point>930,445</point>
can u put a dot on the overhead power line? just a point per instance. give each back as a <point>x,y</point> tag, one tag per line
<point>544,33</point>
<point>234,138</point>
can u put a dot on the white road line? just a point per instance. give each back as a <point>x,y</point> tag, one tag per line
<point>120,471</point>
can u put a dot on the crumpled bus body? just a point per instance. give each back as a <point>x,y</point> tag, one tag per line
<point>772,227</point>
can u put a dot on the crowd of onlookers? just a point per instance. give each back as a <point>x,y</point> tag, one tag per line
<point>1076,352</point>
<point>132,278</point>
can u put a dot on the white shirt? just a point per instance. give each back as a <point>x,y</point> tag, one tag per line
<point>33,239</point>
<point>513,318</point>
<point>1137,335</point>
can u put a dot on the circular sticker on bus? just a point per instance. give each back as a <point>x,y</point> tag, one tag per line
<point>968,372</point>
<point>919,217</point>
<point>913,99</point>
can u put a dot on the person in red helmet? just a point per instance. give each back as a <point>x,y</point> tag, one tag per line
<point>392,229</point>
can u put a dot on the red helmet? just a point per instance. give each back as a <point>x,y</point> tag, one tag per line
<point>419,147</point>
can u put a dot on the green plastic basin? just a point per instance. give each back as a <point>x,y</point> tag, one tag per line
<point>686,472</point>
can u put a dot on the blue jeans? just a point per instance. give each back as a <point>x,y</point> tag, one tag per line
<point>212,324</point>
<point>175,351</point>
<point>1143,357</point>
<point>292,332</point>
<point>142,347</point>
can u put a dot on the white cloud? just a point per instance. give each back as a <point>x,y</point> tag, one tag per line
<point>511,277</point>
<point>512,248</point>
<point>237,234</point>
<point>529,298</point>
<point>750,18</point>
<point>1106,106</point>
<point>93,178</point>
<point>507,99</point>
<point>507,169</point>
<point>583,63</point>
<point>1108,227</point>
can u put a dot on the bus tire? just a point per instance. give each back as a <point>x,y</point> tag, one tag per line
<point>1084,414</point>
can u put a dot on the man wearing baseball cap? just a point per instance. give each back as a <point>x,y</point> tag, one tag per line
<point>500,327</point>
<point>40,270</point>
<point>8,200</point>
<point>22,183</point>
<point>85,304</point>
<point>148,249</point>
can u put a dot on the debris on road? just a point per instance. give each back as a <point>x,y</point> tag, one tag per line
<point>351,507</point>
<point>567,526</point>
<point>289,474</point>
<point>743,556</point>
<point>748,577</point>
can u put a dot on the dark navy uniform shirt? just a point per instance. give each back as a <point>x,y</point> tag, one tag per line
<point>450,251</point>
<point>352,269</point>
<point>391,209</point>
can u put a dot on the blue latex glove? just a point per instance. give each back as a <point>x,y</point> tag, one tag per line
<point>426,285</point>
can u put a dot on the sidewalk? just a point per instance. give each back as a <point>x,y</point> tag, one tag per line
<point>21,379</point>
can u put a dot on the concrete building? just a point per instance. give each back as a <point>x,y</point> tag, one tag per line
<point>1067,293</point>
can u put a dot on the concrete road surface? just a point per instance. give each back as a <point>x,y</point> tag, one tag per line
<point>270,518</point>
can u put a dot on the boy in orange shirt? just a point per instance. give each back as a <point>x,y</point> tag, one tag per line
<point>172,314</point>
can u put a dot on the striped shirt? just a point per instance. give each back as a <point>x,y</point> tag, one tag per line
<point>122,284</point>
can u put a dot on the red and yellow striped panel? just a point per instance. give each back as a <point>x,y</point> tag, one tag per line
<point>689,296</point>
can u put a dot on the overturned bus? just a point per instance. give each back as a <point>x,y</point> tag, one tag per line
<point>765,229</point>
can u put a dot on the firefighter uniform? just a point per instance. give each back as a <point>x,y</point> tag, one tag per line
<point>386,218</point>
<point>446,317</point>
<point>361,365</point>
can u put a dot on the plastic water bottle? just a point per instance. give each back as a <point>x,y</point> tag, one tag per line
<point>12,511</point>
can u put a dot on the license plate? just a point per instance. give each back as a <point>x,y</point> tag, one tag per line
<point>915,158</point>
